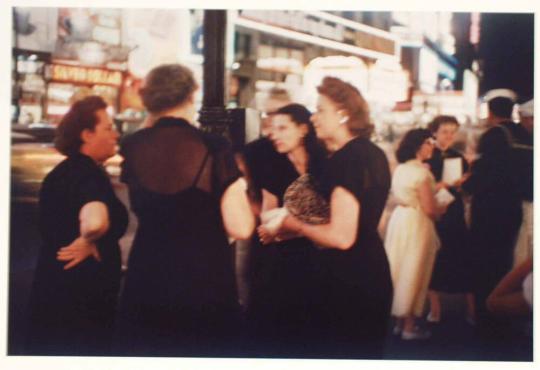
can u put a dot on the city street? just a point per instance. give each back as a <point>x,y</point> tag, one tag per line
<point>453,339</point>
<point>437,78</point>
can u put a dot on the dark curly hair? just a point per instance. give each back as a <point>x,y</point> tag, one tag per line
<point>411,143</point>
<point>300,115</point>
<point>442,119</point>
<point>167,86</point>
<point>347,97</point>
<point>81,116</point>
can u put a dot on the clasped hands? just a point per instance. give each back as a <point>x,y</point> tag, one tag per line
<point>79,250</point>
<point>275,226</point>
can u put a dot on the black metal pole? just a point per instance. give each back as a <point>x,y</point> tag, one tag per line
<point>213,116</point>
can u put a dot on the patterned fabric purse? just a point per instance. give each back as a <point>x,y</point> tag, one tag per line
<point>304,202</point>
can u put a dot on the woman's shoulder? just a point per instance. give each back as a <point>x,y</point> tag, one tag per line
<point>412,170</point>
<point>74,169</point>
<point>356,150</point>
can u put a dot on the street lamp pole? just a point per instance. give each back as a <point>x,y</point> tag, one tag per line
<point>213,116</point>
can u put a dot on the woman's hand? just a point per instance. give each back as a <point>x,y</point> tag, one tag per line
<point>440,185</point>
<point>79,250</point>
<point>464,178</point>
<point>265,236</point>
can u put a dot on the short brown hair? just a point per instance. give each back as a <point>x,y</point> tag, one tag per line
<point>167,86</point>
<point>81,116</point>
<point>440,120</point>
<point>347,97</point>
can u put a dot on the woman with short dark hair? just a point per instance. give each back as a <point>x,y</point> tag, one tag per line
<point>81,220</point>
<point>180,295</point>
<point>452,269</point>
<point>411,239</point>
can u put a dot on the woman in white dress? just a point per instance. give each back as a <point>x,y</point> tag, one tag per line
<point>411,240</point>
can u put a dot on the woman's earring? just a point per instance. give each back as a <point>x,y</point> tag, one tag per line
<point>343,120</point>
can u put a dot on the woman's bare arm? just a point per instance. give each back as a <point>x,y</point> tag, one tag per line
<point>238,218</point>
<point>340,232</point>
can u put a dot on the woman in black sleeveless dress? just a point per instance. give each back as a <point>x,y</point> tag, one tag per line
<point>73,302</point>
<point>355,292</point>
<point>283,272</point>
<point>180,296</point>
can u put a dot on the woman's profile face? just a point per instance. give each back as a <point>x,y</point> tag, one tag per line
<point>286,134</point>
<point>101,142</point>
<point>326,118</point>
<point>426,149</point>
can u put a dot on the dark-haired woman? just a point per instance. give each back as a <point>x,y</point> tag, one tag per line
<point>451,272</point>
<point>78,273</point>
<point>354,288</point>
<point>184,186</point>
<point>411,239</point>
<point>283,273</point>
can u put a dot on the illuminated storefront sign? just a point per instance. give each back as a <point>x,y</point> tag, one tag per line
<point>85,75</point>
<point>325,26</point>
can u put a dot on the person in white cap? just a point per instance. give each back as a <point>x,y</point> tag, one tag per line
<point>495,206</point>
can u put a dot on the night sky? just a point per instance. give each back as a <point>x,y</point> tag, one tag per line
<point>507,53</point>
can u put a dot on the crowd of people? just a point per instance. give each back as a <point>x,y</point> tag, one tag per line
<point>303,202</point>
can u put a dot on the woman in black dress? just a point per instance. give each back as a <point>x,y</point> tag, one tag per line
<point>452,270</point>
<point>283,271</point>
<point>180,295</point>
<point>78,273</point>
<point>355,287</point>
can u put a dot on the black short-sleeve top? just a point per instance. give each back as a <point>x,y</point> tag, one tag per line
<point>361,168</point>
<point>73,183</point>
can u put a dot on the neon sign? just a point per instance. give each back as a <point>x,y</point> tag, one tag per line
<point>85,75</point>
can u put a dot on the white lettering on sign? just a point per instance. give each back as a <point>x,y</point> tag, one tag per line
<point>86,75</point>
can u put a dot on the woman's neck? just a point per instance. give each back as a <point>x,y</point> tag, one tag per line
<point>87,152</point>
<point>299,159</point>
<point>182,112</point>
<point>341,137</point>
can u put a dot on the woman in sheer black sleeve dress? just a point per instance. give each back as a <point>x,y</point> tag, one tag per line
<point>180,296</point>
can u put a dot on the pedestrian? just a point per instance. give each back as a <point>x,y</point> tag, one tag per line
<point>411,239</point>
<point>355,288</point>
<point>452,269</point>
<point>495,204</point>
<point>77,277</point>
<point>180,294</point>
<point>525,152</point>
<point>284,271</point>
<point>260,163</point>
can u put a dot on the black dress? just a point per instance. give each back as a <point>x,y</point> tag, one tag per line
<point>451,272</point>
<point>72,311</point>
<point>282,279</point>
<point>355,295</point>
<point>495,212</point>
<point>180,295</point>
